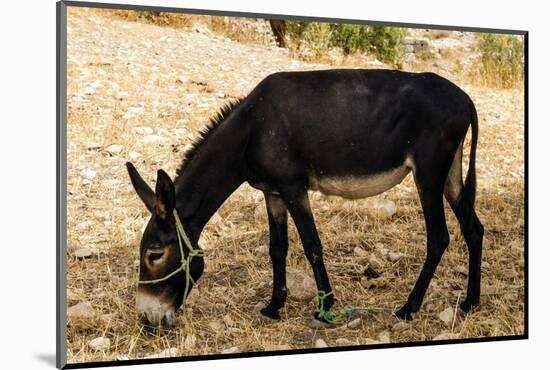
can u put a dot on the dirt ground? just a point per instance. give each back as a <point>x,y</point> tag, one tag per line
<point>142,92</point>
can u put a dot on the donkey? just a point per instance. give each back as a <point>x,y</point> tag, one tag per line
<point>351,133</point>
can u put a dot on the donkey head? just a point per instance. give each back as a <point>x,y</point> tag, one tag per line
<point>161,291</point>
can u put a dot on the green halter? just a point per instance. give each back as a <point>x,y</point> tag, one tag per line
<point>185,261</point>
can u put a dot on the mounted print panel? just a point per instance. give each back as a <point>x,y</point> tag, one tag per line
<point>238,185</point>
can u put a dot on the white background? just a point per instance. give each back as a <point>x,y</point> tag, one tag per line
<point>27,117</point>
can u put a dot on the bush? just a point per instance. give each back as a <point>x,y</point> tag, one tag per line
<point>382,42</point>
<point>501,61</point>
<point>157,18</point>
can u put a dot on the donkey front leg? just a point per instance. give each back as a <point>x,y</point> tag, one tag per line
<point>278,248</point>
<point>297,202</point>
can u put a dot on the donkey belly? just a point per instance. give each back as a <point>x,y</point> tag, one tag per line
<point>360,186</point>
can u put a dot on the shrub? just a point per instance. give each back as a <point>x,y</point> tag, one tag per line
<point>382,42</point>
<point>157,18</point>
<point>501,61</point>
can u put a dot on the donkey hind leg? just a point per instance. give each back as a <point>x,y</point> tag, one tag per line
<point>278,249</point>
<point>431,198</point>
<point>471,228</point>
<point>297,202</point>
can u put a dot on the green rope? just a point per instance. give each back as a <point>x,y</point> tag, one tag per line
<point>183,239</point>
<point>347,312</point>
<point>328,315</point>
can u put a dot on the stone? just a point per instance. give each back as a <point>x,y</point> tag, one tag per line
<point>354,324</point>
<point>300,286</point>
<point>395,256</point>
<point>277,347</point>
<point>149,139</point>
<point>343,342</point>
<point>82,253</point>
<point>261,249</point>
<point>447,315</point>
<point>81,311</point>
<point>231,350</point>
<point>371,273</point>
<point>319,343</point>
<point>169,352</point>
<point>114,149</point>
<point>190,341</point>
<point>100,344</point>
<point>383,337</point>
<point>383,209</point>
<point>370,341</point>
<point>228,320</point>
<point>216,326</point>
<point>144,130</point>
<point>134,156</point>
<point>88,173</point>
<point>360,252</point>
<point>446,336</point>
<point>375,263</point>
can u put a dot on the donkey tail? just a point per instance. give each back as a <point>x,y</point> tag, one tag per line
<point>468,194</point>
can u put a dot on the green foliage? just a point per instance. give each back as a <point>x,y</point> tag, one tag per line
<point>501,63</point>
<point>382,42</point>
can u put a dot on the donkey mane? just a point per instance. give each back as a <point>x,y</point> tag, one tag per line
<point>207,131</point>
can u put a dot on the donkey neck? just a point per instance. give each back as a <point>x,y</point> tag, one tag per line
<point>213,170</point>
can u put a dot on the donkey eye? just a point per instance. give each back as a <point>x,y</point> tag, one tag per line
<point>154,255</point>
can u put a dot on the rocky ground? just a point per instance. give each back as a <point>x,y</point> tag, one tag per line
<point>141,92</point>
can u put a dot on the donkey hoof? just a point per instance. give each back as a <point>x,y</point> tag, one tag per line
<point>319,322</point>
<point>467,305</point>
<point>404,313</point>
<point>270,313</point>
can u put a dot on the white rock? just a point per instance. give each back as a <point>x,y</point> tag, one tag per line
<point>354,324</point>
<point>88,173</point>
<point>375,263</point>
<point>170,352</point>
<point>370,341</point>
<point>300,286</point>
<point>152,139</point>
<point>144,130</point>
<point>446,335</point>
<point>319,343</point>
<point>114,149</point>
<point>383,337</point>
<point>134,156</point>
<point>395,256</point>
<point>447,315</point>
<point>81,311</point>
<point>231,350</point>
<point>100,344</point>
<point>382,209</point>
<point>262,249</point>
<point>228,320</point>
<point>360,252</point>
<point>82,253</point>
<point>190,341</point>
<point>343,342</point>
<point>216,326</point>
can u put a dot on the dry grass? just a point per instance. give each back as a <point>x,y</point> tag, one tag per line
<point>124,76</point>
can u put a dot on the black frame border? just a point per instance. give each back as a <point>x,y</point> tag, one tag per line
<point>61,186</point>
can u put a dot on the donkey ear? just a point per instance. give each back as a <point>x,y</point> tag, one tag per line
<point>142,189</point>
<point>166,195</point>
